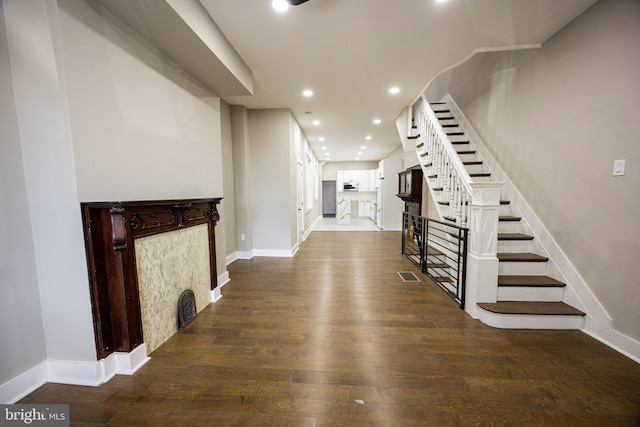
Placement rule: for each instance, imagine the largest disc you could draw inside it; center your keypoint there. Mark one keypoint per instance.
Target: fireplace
(110, 229)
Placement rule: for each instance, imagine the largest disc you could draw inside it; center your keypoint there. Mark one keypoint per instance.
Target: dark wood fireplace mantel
(109, 230)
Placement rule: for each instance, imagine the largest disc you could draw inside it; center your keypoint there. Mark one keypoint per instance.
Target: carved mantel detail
(109, 229)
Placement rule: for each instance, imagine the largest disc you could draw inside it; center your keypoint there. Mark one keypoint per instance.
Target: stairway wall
(556, 118)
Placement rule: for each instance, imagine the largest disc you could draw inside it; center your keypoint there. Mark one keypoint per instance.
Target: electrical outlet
(243, 237)
(618, 167)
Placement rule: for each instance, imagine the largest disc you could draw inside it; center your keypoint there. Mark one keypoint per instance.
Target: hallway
(333, 337)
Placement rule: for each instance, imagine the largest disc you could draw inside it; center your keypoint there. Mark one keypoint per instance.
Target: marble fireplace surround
(110, 229)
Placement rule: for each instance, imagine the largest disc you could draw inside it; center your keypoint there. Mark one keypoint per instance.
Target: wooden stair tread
(433, 251)
(459, 142)
(530, 281)
(455, 133)
(508, 218)
(472, 163)
(437, 265)
(502, 202)
(531, 308)
(481, 174)
(442, 279)
(514, 236)
(414, 136)
(466, 152)
(520, 257)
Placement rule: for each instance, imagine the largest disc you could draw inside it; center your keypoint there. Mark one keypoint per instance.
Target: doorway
(329, 198)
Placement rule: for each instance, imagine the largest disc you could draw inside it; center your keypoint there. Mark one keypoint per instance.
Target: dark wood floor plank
(333, 337)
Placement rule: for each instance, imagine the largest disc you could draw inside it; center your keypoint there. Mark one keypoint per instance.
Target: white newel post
(482, 261)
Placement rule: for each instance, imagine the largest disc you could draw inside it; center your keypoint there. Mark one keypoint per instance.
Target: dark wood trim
(110, 229)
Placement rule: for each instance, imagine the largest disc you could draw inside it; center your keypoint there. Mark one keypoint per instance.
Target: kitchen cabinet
(364, 180)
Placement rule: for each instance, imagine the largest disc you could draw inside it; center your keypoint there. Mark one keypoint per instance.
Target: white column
(482, 262)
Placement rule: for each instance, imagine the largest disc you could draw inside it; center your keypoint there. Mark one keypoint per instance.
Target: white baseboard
(618, 341)
(216, 294)
(129, 363)
(73, 372)
(311, 227)
(223, 279)
(276, 253)
(25, 383)
(240, 255)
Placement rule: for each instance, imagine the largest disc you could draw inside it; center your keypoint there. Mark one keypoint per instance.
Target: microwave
(349, 186)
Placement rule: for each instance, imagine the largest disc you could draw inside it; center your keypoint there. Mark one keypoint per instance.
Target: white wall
(90, 112)
(556, 119)
(21, 327)
(241, 180)
(330, 169)
(141, 129)
(270, 177)
(49, 170)
(227, 216)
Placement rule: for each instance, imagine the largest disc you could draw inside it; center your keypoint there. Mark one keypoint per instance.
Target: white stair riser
(509, 227)
(454, 138)
(520, 321)
(522, 268)
(505, 209)
(475, 169)
(482, 179)
(468, 157)
(515, 245)
(527, 293)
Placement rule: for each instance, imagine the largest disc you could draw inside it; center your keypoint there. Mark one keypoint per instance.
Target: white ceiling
(350, 52)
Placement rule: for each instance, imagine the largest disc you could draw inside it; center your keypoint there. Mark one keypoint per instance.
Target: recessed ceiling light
(394, 90)
(357, 158)
(307, 92)
(280, 5)
(368, 138)
(324, 148)
(316, 122)
(377, 121)
(321, 139)
(359, 153)
(363, 147)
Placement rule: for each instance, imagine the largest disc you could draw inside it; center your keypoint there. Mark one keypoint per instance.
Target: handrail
(462, 171)
(451, 175)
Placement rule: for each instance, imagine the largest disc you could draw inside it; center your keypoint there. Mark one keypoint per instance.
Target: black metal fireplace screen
(186, 309)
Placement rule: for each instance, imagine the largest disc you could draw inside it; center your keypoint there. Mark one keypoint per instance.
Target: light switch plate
(618, 167)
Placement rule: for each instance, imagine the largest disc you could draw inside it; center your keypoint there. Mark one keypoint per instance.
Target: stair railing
(474, 205)
(450, 174)
(439, 249)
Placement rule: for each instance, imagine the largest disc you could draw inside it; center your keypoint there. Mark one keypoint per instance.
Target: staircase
(530, 291)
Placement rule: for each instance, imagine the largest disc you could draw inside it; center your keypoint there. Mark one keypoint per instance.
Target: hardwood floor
(333, 337)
